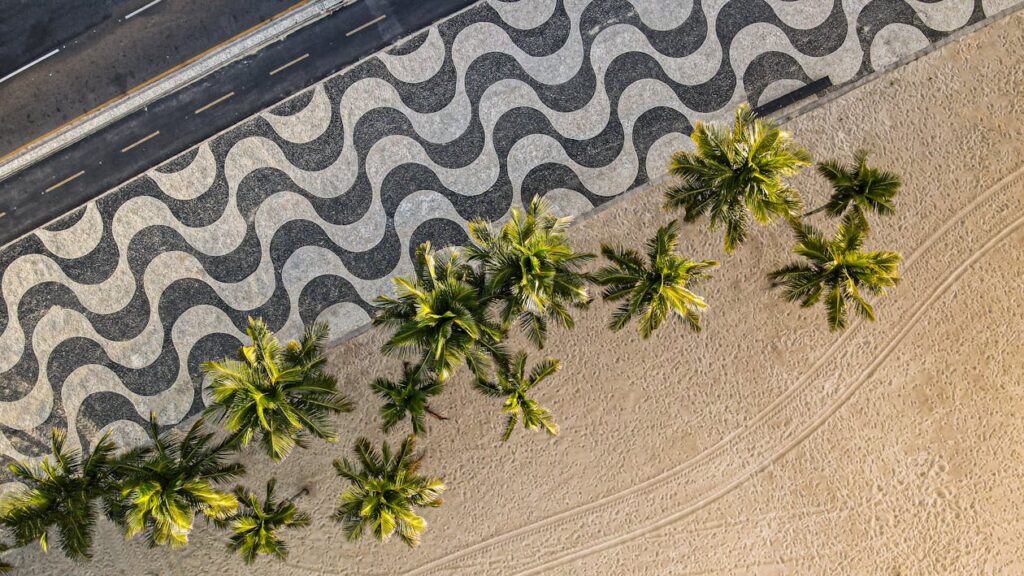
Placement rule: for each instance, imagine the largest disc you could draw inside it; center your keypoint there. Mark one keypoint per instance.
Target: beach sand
(765, 444)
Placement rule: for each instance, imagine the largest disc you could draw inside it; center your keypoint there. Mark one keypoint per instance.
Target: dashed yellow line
(215, 102)
(365, 26)
(296, 61)
(138, 142)
(62, 182)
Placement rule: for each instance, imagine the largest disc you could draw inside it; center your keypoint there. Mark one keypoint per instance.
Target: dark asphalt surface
(102, 54)
(26, 205)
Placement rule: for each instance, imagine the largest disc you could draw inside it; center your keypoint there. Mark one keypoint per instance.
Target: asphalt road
(105, 48)
(82, 171)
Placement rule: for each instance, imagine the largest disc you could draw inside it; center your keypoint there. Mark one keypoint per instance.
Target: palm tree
(531, 268)
(60, 494)
(654, 289)
(859, 188)
(838, 269)
(384, 492)
(514, 385)
(409, 396)
(279, 395)
(254, 528)
(166, 483)
(733, 171)
(441, 315)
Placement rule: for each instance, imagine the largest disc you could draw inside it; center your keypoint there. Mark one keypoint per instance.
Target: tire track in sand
(804, 432)
(764, 415)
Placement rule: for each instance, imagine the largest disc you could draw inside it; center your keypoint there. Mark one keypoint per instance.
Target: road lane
(122, 150)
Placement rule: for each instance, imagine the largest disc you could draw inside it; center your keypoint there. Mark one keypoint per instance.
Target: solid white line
(63, 182)
(215, 102)
(147, 6)
(137, 142)
(30, 64)
(296, 61)
(367, 25)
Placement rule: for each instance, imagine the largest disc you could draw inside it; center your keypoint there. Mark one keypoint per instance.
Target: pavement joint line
(146, 7)
(300, 15)
(365, 26)
(293, 62)
(63, 182)
(30, 64)
(215, 102)
(142, 141)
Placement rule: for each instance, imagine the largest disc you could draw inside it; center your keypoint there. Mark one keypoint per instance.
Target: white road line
(215, 102)
(30, 64)
(146, 7)
(63, 182)
(2, 214)
(365, 26)
(296, 61)
(129, 147)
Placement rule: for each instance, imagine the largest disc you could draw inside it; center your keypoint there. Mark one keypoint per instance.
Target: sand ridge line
(769, 411)
(805, 432)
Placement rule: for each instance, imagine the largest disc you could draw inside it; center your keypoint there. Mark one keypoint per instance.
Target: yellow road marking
(62, 182)
(365, 26)
(129, 147)
(215, 102)
(296, 61)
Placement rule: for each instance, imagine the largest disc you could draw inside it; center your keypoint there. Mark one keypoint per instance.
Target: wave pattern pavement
(306, 211)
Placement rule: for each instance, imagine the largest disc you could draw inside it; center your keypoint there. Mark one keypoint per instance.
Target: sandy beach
(765, 444)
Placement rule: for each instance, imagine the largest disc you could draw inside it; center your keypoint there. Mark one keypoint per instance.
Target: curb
(168, 82)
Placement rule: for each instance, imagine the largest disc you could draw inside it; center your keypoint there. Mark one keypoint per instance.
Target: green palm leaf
(531, 269)
(514, 384)
(733, 175)
(255, 527)
(408, 397)
(385, 490)
(441, 316)
(837, 269)
(279, 395)
(858, 188)
(165, 484)
(654, 289)
(60, 494)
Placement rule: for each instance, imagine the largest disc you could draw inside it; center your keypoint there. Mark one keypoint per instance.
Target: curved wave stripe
(305, 212)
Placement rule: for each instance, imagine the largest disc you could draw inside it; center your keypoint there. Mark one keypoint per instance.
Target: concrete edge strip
(169, 83)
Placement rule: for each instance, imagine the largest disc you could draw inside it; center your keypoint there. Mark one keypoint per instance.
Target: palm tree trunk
(815, 211)
(299, 494)
(434, 414)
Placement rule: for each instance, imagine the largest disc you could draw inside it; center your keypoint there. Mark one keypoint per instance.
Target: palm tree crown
(60, 494)
(385, 489)
(255, 527)
(733, 171)
(166, 483)
(409, 396)
(859, 188)
(279, 394)
(441, 315)
(531, 269)
(656, 288)
(838, 269)
(514, 384)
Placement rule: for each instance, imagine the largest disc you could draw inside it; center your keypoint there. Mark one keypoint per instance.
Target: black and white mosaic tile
(307, 211)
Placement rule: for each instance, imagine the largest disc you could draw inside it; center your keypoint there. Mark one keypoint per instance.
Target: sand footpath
(764, 445)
